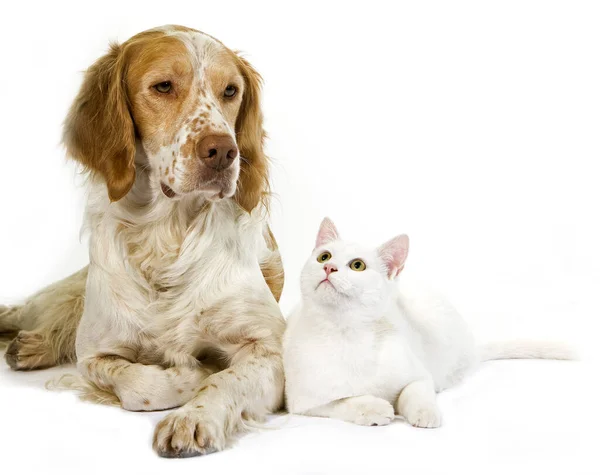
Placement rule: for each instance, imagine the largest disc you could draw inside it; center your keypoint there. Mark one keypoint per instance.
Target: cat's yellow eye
(357, 265)
(324, 257)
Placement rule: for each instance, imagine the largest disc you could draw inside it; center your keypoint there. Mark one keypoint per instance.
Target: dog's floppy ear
(253, 184)
(99, 131)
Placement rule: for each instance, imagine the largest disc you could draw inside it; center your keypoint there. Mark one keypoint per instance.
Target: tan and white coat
(179, 304)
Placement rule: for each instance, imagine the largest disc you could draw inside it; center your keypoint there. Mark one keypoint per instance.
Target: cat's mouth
(325, 281)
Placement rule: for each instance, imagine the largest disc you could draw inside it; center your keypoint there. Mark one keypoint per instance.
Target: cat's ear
(393, 253)
(327, 232)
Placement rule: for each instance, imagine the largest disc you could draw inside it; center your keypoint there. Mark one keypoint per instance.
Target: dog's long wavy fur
(100, 135)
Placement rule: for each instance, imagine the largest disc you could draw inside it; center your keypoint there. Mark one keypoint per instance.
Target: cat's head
(347, 275)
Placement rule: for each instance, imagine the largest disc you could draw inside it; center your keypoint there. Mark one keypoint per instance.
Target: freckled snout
(217, 151)
(329, 268)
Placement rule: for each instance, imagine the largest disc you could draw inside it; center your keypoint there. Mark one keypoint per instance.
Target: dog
(179, 304)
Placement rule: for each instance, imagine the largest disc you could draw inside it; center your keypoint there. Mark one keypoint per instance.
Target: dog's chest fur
(174, 266)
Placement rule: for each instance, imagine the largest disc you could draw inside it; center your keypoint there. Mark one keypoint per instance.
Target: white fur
(357, 347)
(215, 259)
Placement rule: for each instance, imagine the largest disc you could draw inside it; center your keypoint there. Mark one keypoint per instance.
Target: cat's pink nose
(329, 268)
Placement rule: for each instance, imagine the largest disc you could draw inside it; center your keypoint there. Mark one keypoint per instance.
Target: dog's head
(186, 103)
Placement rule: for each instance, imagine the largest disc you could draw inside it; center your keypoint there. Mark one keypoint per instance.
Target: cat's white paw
(426, 415)
(371, 411)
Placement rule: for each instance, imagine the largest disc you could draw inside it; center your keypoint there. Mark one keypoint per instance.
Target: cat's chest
(347, 353)
(354, 350)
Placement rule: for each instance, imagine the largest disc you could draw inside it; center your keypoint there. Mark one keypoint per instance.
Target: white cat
(360, 347)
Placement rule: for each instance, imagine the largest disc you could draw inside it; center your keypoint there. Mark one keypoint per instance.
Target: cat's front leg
(364, 410)
(417, 404)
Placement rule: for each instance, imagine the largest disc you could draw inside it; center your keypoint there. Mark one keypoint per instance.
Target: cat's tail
(527, 349)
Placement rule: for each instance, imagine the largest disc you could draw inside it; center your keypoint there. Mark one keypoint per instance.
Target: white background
(472, 126)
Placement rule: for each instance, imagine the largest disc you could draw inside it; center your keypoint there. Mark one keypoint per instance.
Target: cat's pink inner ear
(327, 232)
(393, 253)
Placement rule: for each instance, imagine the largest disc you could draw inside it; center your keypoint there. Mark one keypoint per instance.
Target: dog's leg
(248, 327)
(29, 351)
(9, 319)
(249, 389)
(142, 387)
(48, 322)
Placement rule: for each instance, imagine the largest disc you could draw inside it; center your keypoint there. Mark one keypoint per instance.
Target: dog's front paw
(371, 411)
(29, 351)
(187, 433)
(422, 414)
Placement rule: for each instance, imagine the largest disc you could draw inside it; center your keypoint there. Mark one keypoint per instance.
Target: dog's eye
(163, 87)
(357, 265)
(230, 91)
(324, 257)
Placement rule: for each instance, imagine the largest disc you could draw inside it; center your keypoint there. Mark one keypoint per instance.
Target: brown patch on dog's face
(158, 115)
